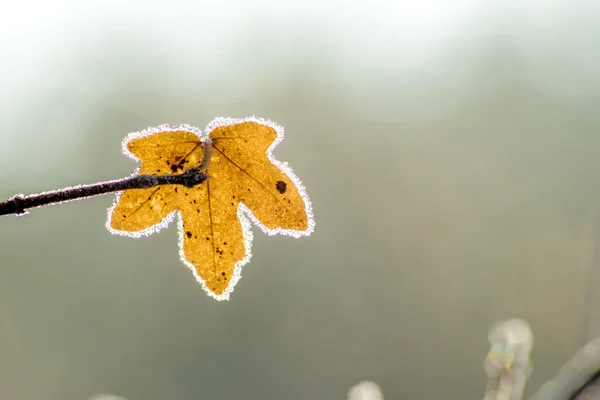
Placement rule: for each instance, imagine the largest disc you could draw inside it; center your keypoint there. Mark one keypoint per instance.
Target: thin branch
(577, 378)
(19, 204)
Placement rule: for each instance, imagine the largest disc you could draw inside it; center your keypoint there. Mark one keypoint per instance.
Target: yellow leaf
(246, 184)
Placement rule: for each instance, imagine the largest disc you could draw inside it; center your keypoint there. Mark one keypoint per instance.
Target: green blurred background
(451, 150)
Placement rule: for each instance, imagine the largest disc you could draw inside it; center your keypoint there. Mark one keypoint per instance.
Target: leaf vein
(144, 203)
(212, 230)
(247, 173)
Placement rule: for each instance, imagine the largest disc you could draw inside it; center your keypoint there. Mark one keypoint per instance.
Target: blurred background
(451, 150)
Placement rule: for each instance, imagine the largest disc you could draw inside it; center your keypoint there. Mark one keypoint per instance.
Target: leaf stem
(19, 204)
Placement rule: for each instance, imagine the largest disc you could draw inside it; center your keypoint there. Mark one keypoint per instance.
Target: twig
(19, 204)
(577, 378)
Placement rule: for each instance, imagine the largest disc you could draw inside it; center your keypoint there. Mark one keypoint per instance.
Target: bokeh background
(451, 150)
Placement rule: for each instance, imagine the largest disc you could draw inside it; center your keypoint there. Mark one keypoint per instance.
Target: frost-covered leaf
(246, 183)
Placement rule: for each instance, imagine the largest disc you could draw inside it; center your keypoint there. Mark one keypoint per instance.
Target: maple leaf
(246, 184)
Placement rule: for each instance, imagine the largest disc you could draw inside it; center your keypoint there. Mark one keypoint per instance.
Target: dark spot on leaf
(175, 190)
(223, 273)
(189, 234)
(207, 238)
(281, 186)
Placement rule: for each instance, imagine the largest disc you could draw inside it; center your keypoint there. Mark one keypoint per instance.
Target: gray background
(451, 150)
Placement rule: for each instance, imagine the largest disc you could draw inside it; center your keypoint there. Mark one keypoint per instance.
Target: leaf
(246, 184)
